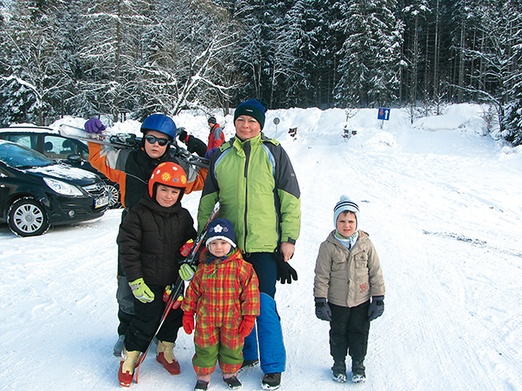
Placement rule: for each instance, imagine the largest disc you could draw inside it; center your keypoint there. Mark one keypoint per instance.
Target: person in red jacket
(224, 296)
(216, 136)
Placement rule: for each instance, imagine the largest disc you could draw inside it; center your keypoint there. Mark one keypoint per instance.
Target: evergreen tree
(253, 47)
(31, 69)
(415, 13)
(370, 55)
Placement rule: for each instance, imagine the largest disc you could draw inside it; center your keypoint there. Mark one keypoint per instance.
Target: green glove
(141, 291)
(186, 271)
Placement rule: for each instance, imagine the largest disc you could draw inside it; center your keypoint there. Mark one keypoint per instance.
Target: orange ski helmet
(168, 174)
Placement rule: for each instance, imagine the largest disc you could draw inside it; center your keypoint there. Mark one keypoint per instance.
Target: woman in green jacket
(253, 179)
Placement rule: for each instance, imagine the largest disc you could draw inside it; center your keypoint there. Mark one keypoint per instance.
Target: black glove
(376, 307)
(322, 309)
(285, 272)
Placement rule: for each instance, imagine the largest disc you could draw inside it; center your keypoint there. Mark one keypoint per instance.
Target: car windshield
(18, 156)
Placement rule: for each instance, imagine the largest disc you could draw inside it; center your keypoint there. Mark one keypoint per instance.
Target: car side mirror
(74, 158)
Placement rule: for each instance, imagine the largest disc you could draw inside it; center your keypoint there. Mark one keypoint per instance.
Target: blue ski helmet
(160, 123)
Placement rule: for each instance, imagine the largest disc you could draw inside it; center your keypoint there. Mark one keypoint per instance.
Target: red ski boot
(126, 371)
(165, 356)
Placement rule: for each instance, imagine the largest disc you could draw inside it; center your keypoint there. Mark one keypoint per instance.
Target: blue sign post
(383, 114)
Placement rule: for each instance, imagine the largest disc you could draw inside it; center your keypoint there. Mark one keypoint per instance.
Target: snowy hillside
(441, 202)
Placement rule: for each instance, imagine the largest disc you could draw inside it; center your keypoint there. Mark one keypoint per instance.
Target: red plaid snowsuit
(220, 294)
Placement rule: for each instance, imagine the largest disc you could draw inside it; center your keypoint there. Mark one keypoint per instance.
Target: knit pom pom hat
(345, 204)
(221, 229)
(253, 108)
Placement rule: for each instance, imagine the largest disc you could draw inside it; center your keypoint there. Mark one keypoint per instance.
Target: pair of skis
(177, 288)
(126, 140)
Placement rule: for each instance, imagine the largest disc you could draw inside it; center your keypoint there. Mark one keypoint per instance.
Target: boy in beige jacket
(348, 289)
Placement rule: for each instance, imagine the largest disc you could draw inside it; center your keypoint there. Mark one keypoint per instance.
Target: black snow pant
(349, 330)
(145, 322)
(125, 300)
(124, 297)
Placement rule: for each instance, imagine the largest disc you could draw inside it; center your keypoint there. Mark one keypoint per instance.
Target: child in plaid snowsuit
(224, 296)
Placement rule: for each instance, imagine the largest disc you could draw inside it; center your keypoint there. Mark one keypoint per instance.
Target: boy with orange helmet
(149, 241)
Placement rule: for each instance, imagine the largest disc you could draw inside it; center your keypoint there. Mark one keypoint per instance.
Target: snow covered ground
(442, 203)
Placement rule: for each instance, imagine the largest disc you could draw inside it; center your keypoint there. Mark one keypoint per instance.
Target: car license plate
(101, 201)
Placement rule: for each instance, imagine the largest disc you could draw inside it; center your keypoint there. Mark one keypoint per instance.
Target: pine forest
(128, 59)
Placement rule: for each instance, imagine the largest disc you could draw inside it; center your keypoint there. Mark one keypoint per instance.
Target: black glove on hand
(285, 272)
(322, 309)
(376, 307)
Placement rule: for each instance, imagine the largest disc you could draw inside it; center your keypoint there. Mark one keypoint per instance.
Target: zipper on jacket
(247, 148)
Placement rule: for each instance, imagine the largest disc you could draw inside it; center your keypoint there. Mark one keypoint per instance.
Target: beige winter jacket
(348, 277)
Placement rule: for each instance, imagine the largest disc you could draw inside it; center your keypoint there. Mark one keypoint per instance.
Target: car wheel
(114, 197)
(27, 217)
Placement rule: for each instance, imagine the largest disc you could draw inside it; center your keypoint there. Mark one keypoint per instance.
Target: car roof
(29, 128)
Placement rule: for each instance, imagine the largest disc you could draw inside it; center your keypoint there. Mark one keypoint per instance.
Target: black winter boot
(339, 371)
(358, 371)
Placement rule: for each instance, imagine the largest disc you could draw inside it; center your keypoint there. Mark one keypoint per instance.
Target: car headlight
(62, 187)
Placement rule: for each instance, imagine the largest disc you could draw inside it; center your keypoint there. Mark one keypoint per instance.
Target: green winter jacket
(257, 189)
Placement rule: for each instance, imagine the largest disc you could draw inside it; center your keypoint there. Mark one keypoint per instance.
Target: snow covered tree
(253, 46)
(192, 53)
(313, 42)
(31, 70)
(416, 11)
(111, 31)
(370, 55)
(490, 55)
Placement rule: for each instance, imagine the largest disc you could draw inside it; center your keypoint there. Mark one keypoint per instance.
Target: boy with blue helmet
(131, 169)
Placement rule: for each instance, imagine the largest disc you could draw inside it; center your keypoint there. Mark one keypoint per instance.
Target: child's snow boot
(127, 364)
(339, 371)
(202, 382)
(232, 382)
(358, 371)
(201, 385)
(165, 356)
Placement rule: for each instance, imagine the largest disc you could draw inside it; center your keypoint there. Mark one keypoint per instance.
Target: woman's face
(247, 127)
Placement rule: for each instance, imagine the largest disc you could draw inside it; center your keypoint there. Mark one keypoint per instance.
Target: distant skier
(347, 274)
(216, 137)
(149, 242)
(193, 144)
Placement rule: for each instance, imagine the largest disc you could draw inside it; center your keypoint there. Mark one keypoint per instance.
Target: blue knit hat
(221, 229)
(345, 204)
(253, 108)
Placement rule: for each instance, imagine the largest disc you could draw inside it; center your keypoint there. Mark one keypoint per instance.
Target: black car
(57, 147)
(37, 192)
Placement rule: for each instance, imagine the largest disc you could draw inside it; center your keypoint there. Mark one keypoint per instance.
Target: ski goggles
(152, 139)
